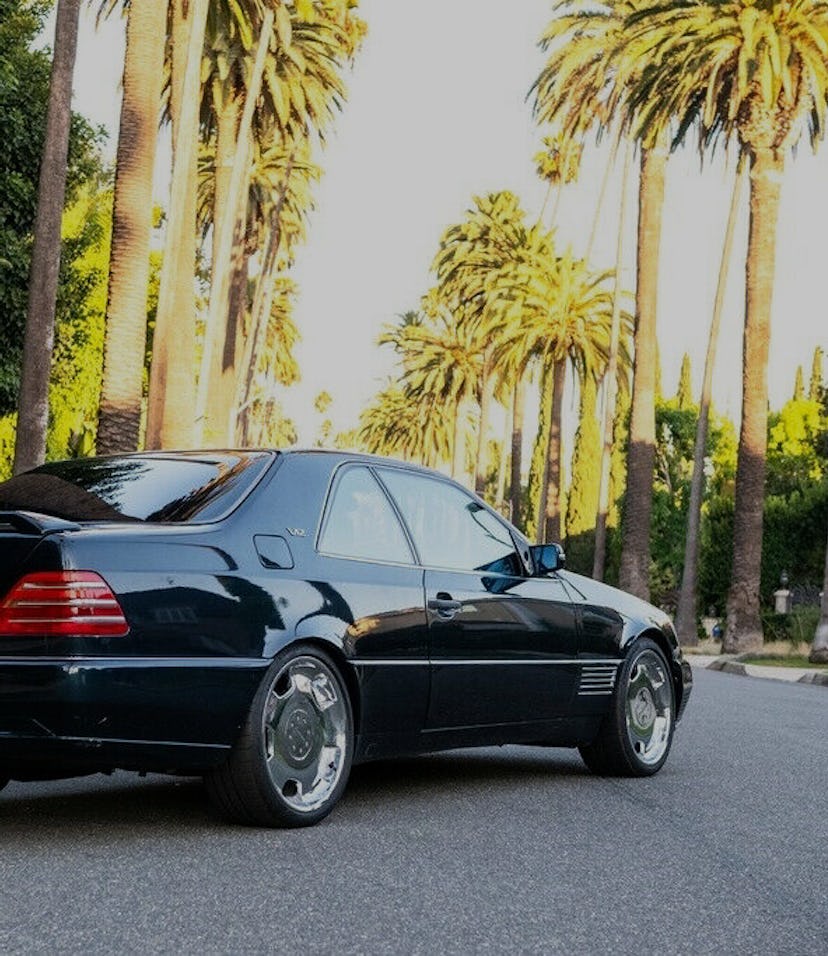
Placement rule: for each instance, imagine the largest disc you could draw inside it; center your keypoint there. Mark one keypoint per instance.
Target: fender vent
(597, 679)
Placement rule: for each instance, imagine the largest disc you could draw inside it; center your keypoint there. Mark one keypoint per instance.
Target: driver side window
(450, 528)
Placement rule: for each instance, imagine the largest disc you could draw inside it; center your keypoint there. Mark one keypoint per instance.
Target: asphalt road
(510, 849)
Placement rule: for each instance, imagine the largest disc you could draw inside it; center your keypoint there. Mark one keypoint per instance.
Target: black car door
(503, 646)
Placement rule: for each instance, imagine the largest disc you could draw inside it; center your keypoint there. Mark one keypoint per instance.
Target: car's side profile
(267, 619)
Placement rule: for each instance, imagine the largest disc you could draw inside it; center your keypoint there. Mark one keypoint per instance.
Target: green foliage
(24, 92)
(815, 385)
(8, 430)
(797, 627)
(795, 446)
(684, 395)
(799, 385)
(74, 390)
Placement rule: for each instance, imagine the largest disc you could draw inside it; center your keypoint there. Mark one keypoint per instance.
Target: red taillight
(62, 603)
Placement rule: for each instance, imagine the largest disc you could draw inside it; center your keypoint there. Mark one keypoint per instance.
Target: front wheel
(292, 760)
(635, 736)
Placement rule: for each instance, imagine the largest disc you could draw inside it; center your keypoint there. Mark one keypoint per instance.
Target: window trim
(330, 496)
(440, 479)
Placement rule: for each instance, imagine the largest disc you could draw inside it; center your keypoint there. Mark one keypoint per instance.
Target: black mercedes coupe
(266, 619)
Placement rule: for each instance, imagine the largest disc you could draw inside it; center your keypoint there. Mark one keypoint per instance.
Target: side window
(451, 529)
(361, 523)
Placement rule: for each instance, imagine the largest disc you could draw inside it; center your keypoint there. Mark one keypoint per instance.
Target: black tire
(637, 732)
(291, 762)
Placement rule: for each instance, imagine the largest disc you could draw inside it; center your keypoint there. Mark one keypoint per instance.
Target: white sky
(436, 114)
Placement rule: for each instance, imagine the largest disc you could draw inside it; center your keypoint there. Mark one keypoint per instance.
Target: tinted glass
(361, 522)
(451, 529)
(136, 487)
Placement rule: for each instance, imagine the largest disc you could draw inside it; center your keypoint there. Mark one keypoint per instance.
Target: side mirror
(547, 558)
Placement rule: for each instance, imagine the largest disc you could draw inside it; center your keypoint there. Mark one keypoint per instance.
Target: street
(498, 850)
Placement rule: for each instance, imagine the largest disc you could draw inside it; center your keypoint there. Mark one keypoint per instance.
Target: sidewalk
(730, 664)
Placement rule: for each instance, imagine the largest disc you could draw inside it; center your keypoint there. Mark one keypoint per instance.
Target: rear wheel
(636, 735)
(292, 760)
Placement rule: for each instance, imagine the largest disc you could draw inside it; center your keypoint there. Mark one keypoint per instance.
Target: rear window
(136, 487)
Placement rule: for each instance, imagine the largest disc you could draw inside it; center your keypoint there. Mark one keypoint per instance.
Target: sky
(437, 113)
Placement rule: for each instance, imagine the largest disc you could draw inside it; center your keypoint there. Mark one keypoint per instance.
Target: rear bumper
(131, 713)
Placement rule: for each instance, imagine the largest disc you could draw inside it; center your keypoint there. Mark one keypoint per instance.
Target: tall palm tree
(579, 86)
(119, 417)
(170, 388)
(687, 610)
(33, 401)
(756, 71)
(405, 423)
(557, 164)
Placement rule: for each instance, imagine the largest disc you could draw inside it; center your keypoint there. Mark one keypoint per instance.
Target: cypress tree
(799, 385)
(816, 376)
(582, 504)
(684, 396)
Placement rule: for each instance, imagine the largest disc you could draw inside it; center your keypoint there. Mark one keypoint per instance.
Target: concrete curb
(730, 664)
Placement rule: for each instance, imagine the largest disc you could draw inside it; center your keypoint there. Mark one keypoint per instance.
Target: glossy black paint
(432, 657)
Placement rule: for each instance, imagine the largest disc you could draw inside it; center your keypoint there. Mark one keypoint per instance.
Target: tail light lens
(62, 603)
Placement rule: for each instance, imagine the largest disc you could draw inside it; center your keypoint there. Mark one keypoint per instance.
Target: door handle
(445, 606)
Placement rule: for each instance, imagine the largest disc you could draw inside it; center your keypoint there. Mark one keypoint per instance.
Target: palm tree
(442, 358)
(471, 257)
(717, 65)
(562, 313)
(405, 423)
(687, 610)
(171, 387)
(578, 88)
(169, 410)
(33, 401)
(558, 164)
(119, 417)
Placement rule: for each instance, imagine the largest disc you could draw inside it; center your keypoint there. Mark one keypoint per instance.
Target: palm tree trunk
(687, 610)
(518, 411)
(602, 192)
(119, 418)
(500, 491)
(819, 649)
(259, 316)
(486, 395)
(33, 400)
(611, 382)
(634, 575)
(744, 628)
(167, 373)
(217, 319)
(169, 414)
(458, 445)
(552, 513)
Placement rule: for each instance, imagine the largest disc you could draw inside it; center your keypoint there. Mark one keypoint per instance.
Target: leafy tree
(24, 94)
(799, 385)
(815, 385)
(684, 395)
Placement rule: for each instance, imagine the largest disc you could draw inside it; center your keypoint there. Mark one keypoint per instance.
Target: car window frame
(523, 561)
(327, 508)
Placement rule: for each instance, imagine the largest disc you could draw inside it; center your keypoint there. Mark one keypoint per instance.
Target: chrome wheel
(305, 728)
(649, 708)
